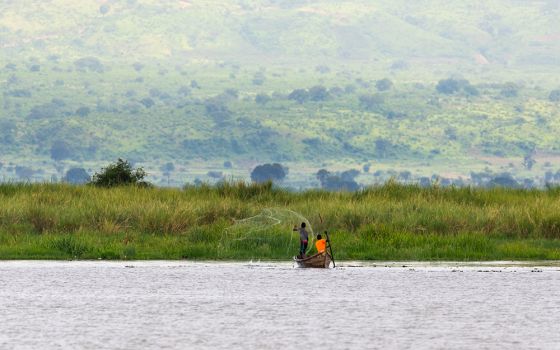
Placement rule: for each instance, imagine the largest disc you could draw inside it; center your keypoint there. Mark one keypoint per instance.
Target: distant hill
(250, 81)
(504, 31)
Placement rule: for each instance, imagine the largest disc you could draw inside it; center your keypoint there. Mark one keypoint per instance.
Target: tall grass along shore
(390, 222)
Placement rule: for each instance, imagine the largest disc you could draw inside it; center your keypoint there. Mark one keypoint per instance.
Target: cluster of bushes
(452, 86)
(343, 181)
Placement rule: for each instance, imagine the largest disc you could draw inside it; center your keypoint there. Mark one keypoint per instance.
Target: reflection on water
(178, 305)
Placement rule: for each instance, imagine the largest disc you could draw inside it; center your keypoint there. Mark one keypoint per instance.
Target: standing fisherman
(303, 240)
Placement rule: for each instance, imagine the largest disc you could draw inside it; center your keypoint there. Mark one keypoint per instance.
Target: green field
(392, 222)
(157, 82)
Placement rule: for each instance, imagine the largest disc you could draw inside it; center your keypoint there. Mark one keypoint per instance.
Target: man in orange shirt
(321, 244)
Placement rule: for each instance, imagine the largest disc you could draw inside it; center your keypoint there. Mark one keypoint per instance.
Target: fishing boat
(320, 260)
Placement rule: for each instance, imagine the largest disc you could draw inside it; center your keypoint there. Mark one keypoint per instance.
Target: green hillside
(199, 83)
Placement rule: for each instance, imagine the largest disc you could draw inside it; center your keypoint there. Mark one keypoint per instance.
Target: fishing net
(267, 234)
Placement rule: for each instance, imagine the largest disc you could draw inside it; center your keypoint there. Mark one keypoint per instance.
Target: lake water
(183, 305)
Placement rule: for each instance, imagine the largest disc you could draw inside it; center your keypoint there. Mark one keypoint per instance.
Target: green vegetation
(120, 173)
(424, 87)
(392, 222)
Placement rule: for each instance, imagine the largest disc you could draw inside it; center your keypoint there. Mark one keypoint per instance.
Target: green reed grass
(391, 222)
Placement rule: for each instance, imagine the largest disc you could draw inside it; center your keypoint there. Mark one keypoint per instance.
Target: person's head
(319, 237)
(303, 225)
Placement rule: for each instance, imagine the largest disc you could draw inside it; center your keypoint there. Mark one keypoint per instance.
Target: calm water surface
(178, 305)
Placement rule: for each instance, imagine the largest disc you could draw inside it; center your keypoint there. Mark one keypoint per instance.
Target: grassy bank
(392, 222)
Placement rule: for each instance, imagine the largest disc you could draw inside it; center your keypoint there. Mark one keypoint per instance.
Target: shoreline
(537, 264)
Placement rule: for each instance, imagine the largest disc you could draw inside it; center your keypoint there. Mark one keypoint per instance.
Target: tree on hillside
(318, 93)
(77, 176)
(503, 180)
(215, 174)
(155, 92)
(382, 147)
(338, 182)
(451, 133)
(259, 78)
(349, 89)
(405, 175)
(137, 66)
(83, 111)
(7, 132)
(336, 91)
(322, 175)
(510, 90)
(268, 172)
(299, 95)
(167, 169)
(89, 64)
(322, 69)
(184, 91)
(471, 90)
(60, 150)
(104, 9)
(448, 86)
(21, 93)
(147, 102)
(217, 110)
(384, 84)
(349, 175)
(262, 99)
(372, 103)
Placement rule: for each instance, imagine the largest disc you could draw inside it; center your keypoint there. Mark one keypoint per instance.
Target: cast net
(268, 234)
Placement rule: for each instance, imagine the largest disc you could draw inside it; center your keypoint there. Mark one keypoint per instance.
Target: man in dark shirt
(303, 239)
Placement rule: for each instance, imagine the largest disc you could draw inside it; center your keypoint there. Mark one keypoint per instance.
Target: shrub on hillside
(120, 173)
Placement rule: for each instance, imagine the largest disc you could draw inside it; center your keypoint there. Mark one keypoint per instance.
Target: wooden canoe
(320, 260)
